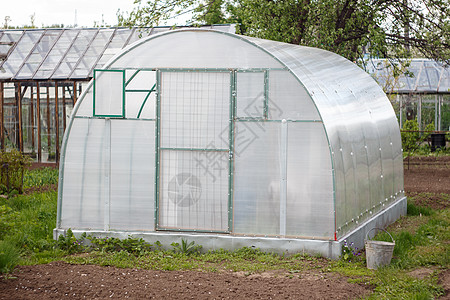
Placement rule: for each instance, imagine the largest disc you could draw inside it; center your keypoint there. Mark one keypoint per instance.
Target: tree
(352, 28)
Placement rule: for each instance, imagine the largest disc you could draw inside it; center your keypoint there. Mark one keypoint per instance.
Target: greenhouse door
(194, 150)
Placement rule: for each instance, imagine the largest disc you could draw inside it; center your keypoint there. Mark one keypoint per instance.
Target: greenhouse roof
(67, 53)
(427, 76)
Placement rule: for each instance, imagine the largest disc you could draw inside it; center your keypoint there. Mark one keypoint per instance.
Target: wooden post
(64, 106)
(38, 120)
(19, 109)
(2, 129)
(74, 93)
(49, 138)
(56, 123)
(32, 116)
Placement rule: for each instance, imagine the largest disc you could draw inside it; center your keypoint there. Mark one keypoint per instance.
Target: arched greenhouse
(231, 141)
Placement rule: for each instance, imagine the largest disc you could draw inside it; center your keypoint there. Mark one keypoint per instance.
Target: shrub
(12, 166)
(410, 135)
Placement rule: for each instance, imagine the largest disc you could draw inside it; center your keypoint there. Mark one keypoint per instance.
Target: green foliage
(70, 243)
(412, 140)
(110, 244)
(186, 248)
(40, 177)
(410, 135)
(349, 28)
(9, 256)
(12, 166)
(27, 221)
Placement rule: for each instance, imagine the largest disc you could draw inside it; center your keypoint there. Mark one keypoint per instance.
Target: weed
(413, 210)
(186, 248)
(70, 243)
(110, 244)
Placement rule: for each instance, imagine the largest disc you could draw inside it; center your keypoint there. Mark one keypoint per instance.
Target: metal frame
(231, 153)
(230, 150)
(157, 146)
(123, 94)
(255, 44)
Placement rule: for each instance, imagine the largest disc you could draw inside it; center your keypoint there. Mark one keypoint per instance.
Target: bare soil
(427, 175)
(61, 280)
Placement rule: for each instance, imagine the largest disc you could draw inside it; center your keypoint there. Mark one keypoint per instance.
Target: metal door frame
(232, 111)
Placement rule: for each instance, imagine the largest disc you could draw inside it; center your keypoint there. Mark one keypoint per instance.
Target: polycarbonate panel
(132, 175)
(350, 103)
(85, 167)
(148, 110)
(109, 93)
(388, 166)
(375, 170)
(140, 79)
(137, 108)
(250, 87)
(288, 99)
(201, 49)
(256, 207)
(310, 203)
(398, 164)
(86, 102)
(194, 190)
(195, 110)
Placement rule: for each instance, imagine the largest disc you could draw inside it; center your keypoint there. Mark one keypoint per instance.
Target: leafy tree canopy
(390, 29)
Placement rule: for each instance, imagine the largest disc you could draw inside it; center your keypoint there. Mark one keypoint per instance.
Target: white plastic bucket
(378, 253)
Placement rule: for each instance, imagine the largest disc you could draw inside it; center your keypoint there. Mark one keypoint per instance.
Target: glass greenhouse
(423, 95)
(231, 141)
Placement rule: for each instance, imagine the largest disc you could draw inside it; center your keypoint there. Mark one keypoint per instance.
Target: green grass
(9, 256)
(27, 221)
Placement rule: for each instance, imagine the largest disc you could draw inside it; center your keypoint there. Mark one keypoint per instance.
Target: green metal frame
(123, 94)
(266, 94)
(132, 76)
(145, 100)
(231, 153)
(230, 150)
(157, 147)
(195, 149)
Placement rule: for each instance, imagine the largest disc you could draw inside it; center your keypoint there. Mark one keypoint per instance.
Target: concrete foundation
(330, 249)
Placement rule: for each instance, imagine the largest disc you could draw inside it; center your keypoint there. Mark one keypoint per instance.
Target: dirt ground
(61, 280)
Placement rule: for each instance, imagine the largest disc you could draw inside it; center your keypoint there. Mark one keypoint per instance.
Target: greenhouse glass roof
(428, 76)
(67, 53)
